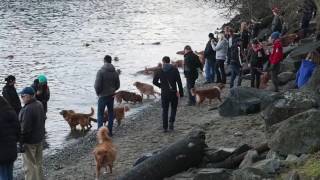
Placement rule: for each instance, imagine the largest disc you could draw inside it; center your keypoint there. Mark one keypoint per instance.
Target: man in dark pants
(210, 57)
(106, 84)
(169, 78)
(275, 58)
(191, 63)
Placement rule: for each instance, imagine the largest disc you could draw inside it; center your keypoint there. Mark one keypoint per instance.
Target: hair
(10, 78)
(107, 59)
(211, 35)
(187, 47)
(166, 59)
(221, 37)
(244, 26)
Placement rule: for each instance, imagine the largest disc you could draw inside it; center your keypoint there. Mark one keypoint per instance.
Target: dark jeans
(102, 103)
(235, 71)
(210, 70)
(190, 84)
(255, 77)
(221, 74)
(6, 171)
(274, 76)
(169, 99)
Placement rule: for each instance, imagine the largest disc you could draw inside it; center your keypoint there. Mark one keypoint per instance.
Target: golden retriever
(118, 113)
(208, 93)
(127, 96)
(74, 119)
(146, 89)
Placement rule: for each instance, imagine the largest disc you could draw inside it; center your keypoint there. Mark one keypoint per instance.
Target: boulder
(187, 175)
(213, 174)
(245, 100)
(299, 134)
(304, 48)
(290, 104)
(314, 82)
(290, 65)
(214, 156)
(269, 166)
(250, 174)
(289, 86)
(293, 175)
(285, 77)
(249, 159)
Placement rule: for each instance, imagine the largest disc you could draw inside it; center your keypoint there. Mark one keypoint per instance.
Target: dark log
(234, 161)
(180, 156)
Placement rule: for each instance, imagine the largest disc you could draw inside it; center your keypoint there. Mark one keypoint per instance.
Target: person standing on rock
(277, 20)
(275, 58)
(10, 93)
(32, 120)
(106, 84)
(9, 136)
(256, 57)
(221, 55)
(210, 57)
(169, 78)
(191, 65)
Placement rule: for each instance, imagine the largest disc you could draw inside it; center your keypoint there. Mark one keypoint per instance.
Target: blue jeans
(235, 71)
(209, 70)
(6, 171)
(102, 103)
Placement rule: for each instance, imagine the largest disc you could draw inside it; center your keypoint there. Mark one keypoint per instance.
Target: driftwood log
(180, 156)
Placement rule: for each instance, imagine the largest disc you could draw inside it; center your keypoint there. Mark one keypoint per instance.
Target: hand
(20, 148)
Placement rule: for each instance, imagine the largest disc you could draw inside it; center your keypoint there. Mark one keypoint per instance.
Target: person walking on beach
(277, 20)
(191, 65)
(256, 57)
(221, 55)
(169, 78)
(10, 93)
(235, 61)
(32, 120)
(275, 58)
(210, 57)
(106, 84)
(9, 136)
(42, 92)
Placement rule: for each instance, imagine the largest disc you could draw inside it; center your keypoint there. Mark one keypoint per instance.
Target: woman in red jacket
(275, 58)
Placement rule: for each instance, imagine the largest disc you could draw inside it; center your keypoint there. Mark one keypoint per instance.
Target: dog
(118, 114)
(152, 70)
(265, 77)
(201, 57)
(146, 89)
(105, 152)
(290, 39)
(178, 63)
(208, 93)
(128, 96)
(74, 119)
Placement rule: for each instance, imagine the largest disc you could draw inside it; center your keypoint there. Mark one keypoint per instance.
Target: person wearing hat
(32, 118)
(9, 136)
(41, 88)
(257, 57)
(275, 58)
(10, 93)
(277, 20)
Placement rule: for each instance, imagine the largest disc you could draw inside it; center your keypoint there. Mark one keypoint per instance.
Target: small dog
(105, 152)
(118, 114)
(127, 96)
(146, 89)
(208, 93)
(265, 77)
(74, 119)
(152, 70)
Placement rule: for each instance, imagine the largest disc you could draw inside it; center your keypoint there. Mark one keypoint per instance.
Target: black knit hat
(10, 78)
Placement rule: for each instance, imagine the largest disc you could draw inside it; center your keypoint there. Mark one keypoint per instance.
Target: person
(191, 65)
(277, 20)
(309, 10)
(32, 120)
(235, 61)
(256, 57)
(9, 136)
(169, 78)
(221, 55)
(10, 93)
(106, 84)
(244, 36)
(275, 58)
(210, 57)
(41, 88)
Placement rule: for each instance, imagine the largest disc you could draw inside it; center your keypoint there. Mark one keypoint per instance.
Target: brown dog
(208, 93)
(152, 70)
(74, 119)
(178, 63)
(146, 89)
(118, 114)
(127, 96)
(105, 152)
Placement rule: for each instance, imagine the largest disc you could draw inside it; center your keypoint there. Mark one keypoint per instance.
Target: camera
(20, 148)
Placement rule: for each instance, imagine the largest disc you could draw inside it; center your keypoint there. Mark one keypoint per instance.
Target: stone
(269, 166)
(272, 155)
(285, 77)
(297, 135)
(291, 158)
(313, 84)
(215, 156)
(213, 174)
(293, 175)
(187, 175)
(250, 174)
(289, 86)
(291, 103)
(305, 48)
(290, 65)
(249, 159)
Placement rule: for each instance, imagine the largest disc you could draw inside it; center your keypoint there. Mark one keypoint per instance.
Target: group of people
(23, 128)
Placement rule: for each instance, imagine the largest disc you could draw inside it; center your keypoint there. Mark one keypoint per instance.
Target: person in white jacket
(221, 49)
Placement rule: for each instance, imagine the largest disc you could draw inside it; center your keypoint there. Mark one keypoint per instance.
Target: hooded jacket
(9, 92)
(277, 52)
(209, 53)
(191, 63)
(169, 79)
(107, 81)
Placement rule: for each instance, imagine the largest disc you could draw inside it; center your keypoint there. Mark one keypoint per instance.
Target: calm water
(49, 36)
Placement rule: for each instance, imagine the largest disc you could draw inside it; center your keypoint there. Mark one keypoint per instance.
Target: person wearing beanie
(9, 92)
(277, 21)
(210, 57)
(275, 58)
(42, 91)
(32, 121)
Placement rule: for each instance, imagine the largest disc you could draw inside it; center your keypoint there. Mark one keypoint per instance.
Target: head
(187, 49)
(136, 83)
(107, 59)
(10, 80)
(244, 26)
(42, 79)
(221, 36)
(231, 32)
(27, 94)
(211, 36)
(166, 60)
(275, 11)
(66, 113)
(254, 43)
(226, 30)
(126, 108)
(274, 36)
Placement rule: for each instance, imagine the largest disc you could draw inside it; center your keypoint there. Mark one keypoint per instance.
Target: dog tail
(91, 113)
(103, 135)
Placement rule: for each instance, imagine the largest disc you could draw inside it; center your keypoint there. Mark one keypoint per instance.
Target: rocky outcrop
(250, 174)
(285, 77)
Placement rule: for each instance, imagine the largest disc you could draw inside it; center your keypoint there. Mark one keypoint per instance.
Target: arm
(179, 83)
(26, 124)
(156, 79)
(6, 95)
(218, 46)
(98, 83)
(117, 82)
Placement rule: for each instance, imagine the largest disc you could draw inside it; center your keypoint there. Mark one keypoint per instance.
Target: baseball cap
(27, 91)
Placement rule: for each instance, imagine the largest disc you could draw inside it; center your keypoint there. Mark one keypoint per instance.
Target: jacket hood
(167, 67)
(108, 67)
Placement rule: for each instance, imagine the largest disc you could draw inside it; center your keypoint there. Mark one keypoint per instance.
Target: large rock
(285, 77)
(213, 174)
(245, 100)
(290, 104)
(290, 65)
(314, 82)
(250, 174)
(214, 156)
(250, 158)
(269, 166)
(299, 134)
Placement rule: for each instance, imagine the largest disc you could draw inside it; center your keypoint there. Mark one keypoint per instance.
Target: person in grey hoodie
(106, 84)
(221, 55)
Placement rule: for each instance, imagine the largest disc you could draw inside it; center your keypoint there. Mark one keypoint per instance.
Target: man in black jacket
(9, 136)
(10, 93)
(169, 78)
(32, 120)
(210, 57)
(191, 65)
